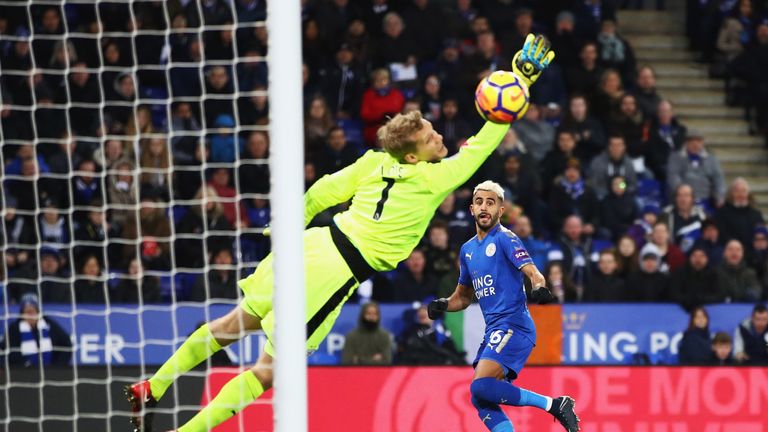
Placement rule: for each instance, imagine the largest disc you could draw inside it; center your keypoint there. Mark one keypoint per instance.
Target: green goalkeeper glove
(535, 56)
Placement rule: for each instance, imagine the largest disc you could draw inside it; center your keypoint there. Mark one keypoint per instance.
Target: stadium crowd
(135, 146)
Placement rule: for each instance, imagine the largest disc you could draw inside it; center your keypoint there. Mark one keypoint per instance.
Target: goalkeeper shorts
(328, 261)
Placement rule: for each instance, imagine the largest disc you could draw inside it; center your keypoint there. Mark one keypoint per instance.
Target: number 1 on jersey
(384, 195)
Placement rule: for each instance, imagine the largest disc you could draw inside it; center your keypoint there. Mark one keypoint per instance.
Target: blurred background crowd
(135, 145)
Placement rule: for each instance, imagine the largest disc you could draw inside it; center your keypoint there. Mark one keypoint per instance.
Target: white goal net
(134, 195)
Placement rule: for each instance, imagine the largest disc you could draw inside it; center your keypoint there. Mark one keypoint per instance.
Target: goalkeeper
(394, 196)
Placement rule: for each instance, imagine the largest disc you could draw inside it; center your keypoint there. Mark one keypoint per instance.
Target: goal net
(135, 189)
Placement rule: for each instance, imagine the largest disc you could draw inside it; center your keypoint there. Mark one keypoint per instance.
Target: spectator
(136, 287)
(628, 121)
(645, 93)
(89, 288)
(485, 60)
(560, 283)
(722, 350)
(426, 342)
(738, 217)
(450, 71)
(234, 210)
(140, 125)
(736, 32)
(537, 134)
(461, 225)
(95, 232)
(53, 227)
(611, 163)
(585, 77)
(695, 166)
(672, 257)
(451, 125)
(564, 41)
(112, 151)
(82, 89)
(413, 283)
(379, 101)
(53, 289)
(750, 342)
(186, 136)
(648, 283)
(336, 154)
(368, 344)
(226, 144)
(695, 283)
(607, 99)
(122, 192)
(710, 241)
(424, 22)
(394, 45)
(219, 85)
(574, 251)
(735, 278)
(615, 52)
(85, 186)
(359, 41)
(150, 234)
(342, 82)
(572, 196)
(253, 172)
(522, 182)
(189, 230)
(555, 161)
(221, 281)
(684, 218)
(155, 163)
(535, 247)
(590, 138)
(35, 340)
(758, 257)
(317, 124)
(665, 136)
(627, 256)
(695, 348)
(618, 210)
(605, 285)
(430, 98)
(440, 257)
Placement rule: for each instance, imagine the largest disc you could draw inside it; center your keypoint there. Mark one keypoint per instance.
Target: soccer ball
(502, 97)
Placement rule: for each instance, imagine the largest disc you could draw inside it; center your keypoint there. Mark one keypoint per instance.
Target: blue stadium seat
(353, 130)
(178, 213)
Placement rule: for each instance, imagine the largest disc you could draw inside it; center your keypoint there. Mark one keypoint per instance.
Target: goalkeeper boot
(563, 411)
(140, 397)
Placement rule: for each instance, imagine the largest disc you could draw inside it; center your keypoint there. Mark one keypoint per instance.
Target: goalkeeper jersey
(393, 202)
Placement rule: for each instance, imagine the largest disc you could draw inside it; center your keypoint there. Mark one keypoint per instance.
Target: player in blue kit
(493, 264)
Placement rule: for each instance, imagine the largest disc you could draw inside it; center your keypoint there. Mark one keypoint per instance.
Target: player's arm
(459, 300)
(539, 291)
(454, 171)
(451, 173)
(334, 188)
(461, 297)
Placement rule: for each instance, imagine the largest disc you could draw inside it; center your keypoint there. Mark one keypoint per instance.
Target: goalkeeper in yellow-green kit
(394, 196)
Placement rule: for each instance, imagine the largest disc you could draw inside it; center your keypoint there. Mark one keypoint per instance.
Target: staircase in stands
(658, 38)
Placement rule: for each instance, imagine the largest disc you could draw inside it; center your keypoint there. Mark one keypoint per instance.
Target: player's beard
(488, 224)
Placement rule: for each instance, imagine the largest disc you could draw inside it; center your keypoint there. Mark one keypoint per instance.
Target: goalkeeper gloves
(436, 308)
(542, 295)
(535, 56)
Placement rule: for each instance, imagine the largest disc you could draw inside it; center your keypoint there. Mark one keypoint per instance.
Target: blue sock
(492, 416)
(501, 392)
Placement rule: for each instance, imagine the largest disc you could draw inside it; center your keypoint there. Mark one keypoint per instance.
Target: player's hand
(542, 295)
(436, 308)
(535, 56)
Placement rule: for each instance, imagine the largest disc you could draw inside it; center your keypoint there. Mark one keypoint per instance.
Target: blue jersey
(492, 268)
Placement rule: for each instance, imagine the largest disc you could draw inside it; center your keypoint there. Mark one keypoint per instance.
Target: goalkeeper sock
(199, 346)
(237, 394)
(494, 391)
(492, 416)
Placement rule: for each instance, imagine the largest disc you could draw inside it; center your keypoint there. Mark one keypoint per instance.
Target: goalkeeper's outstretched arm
(451, 173)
